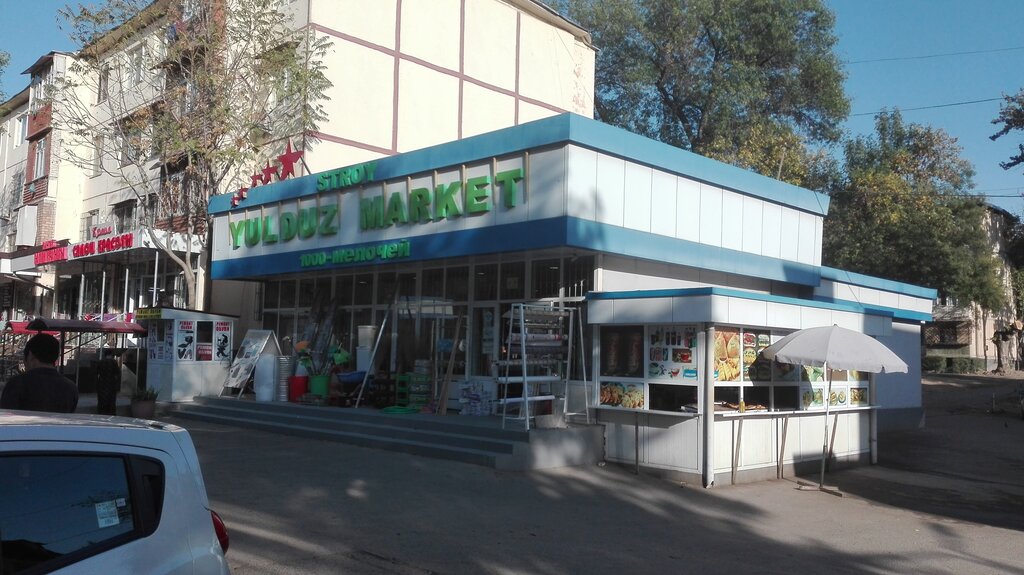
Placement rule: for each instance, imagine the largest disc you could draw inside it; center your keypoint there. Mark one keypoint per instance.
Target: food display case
(649, 367)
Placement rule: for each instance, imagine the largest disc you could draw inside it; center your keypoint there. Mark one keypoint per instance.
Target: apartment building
(405, 75)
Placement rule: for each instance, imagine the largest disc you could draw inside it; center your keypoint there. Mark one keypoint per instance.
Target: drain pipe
(708, 406)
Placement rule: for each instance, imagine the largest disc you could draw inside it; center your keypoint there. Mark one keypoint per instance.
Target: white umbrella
(834, 347)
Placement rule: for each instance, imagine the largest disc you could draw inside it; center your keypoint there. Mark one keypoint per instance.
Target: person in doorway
(108, 383)
(41, 387)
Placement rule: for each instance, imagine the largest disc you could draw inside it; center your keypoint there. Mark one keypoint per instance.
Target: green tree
(749, 82)
(176, 101)
(5, 59)
(904, 213)
(1011, 116)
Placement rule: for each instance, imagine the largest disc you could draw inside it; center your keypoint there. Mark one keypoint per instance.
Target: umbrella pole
(824, 443)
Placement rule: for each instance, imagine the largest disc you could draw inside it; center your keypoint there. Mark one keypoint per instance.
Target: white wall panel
(637, 198)
(790, 236)
(691, 309)
(819, 224)
(783, 316)
(490, 53)
(710, 215)
(435, 37)
(807, 240)
(610, 189)
(732, 220)
(888, 299)
(688, 210)
(747, 311)
(581, 183)
(600, 311)
(753, 220)
(663, 204)
(815, 317)
(653, 310)
(771, 230)
(547, 184)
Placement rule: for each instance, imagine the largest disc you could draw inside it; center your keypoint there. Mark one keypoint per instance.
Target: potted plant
(320, 365)
(144, 403)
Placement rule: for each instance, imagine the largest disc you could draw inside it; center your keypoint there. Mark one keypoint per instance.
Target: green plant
(145, 394)
(933, 363)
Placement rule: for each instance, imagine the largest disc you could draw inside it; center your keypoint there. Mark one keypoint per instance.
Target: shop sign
(303, 224)
(48, 256)
(346, 177)
(101, 231)
(148, 313)
(422, 205)
(103, 246)
(382, 252)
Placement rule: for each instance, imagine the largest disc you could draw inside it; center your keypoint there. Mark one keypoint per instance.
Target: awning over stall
(83, 326)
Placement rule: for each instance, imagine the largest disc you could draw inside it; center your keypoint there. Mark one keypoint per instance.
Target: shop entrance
(483, 339)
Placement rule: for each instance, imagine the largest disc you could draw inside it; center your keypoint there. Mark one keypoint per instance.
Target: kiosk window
(672, 397)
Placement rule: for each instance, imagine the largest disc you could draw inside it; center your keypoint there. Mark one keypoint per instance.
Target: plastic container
(297, 387)
(318, 384)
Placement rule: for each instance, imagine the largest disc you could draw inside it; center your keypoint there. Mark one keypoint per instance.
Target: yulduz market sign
(417, 206)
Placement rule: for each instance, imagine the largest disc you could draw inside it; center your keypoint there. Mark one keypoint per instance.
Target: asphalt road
(948, 498)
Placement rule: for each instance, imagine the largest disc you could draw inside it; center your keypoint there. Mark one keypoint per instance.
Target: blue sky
(917, 31)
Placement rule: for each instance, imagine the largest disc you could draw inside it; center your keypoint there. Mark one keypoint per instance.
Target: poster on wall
(727, 354)
(627, 395)
(672, 352)
(222, 341)
(204, 351)
(155, 345)
(622, 350)
(185, 340)
(168, 352)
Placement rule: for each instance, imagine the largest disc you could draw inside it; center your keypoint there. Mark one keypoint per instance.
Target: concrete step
(391, 428)
(475, 440)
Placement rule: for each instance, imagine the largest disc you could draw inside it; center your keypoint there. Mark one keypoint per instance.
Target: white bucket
(367, 335)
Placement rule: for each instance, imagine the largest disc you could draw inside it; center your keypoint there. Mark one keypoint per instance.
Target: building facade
(649, 244)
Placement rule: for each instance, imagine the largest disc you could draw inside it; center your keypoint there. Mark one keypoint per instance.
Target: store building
(681, 267)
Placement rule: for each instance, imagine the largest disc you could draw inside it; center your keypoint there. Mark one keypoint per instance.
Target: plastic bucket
(318, 384)
(297, 386)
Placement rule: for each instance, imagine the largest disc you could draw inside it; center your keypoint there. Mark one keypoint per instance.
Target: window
(131, 143)
(103, 84)
(22, 130)
(136, 64)
(89, 219)
(40, 159)
(97, 156)
(58, 509)
(124, 216)
(189, 9)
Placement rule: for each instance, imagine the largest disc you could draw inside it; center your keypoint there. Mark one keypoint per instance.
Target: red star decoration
(255, 180)
(240, 195)
(268, 172)
(287, 161)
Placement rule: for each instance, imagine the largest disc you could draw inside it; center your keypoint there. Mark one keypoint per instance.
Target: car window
(56, 509)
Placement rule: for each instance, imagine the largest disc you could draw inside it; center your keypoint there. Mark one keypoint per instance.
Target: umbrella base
(807, 486)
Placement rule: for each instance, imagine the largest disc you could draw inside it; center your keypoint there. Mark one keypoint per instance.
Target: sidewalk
(87, 404)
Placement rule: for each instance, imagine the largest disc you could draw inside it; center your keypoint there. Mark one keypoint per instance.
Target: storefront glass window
(364, 289)
(513, 281)
(270, 321)
(433, 283)
(457, 283)
(271, 294)
(407, 285)
(579, 276)
(343, 290)
(546, 278)
(288, 294)
(307, 291)
(386, 283)
(485, 282)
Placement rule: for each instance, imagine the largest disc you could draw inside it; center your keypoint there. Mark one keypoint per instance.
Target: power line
(928, 56)
(931, 107)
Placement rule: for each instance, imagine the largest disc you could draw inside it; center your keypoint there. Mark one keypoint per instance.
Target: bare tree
(175, 100)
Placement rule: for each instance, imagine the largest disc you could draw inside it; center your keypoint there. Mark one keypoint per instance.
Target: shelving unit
(538, 347)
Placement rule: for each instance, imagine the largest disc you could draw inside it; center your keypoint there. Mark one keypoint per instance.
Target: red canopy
(21, 328)
(78, 326)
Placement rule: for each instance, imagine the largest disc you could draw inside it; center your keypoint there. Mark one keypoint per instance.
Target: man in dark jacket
(41, 387)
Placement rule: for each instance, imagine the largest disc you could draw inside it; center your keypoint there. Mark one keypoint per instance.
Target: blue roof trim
(618, 240)
(546, 132)
(877, 283)
(726, 292)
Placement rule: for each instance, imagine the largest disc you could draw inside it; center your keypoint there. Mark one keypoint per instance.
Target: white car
(98, 494)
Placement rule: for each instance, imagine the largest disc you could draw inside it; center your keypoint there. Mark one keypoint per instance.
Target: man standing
(41, 387)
